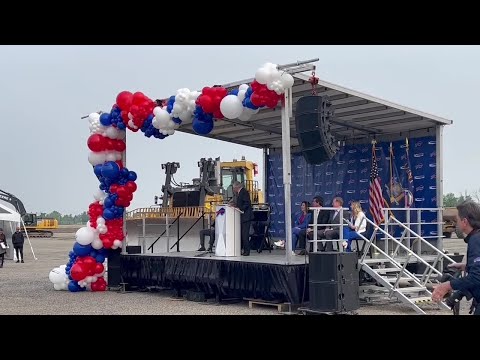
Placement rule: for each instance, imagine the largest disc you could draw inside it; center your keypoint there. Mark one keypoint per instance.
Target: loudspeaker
(333, 281)
(133, 249)
(312, 118)
(114, 273)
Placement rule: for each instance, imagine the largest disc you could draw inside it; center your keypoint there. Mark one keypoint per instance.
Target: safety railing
(340, 225)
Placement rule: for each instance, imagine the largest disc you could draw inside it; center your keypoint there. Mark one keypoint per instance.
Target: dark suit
(244, 204)
(334, 232)
(322, 218)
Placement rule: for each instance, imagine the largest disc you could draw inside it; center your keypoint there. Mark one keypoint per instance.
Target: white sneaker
(345, 244)
(280, 243)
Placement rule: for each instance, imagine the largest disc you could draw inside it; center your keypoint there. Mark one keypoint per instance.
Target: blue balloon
(70, 277)
(71, 254)
(81, 250)
(249, 92)
(108, 214)
(100, 258)
(121, 126)
(105, 119)
(73, 286)
(132, 176)
(102, 187)
(103, 252)
(234, 92)
(124, 173)
(177, 120)
(93, 253)
(110, 170)
(108, 202)
(202, 128)
(97, 169)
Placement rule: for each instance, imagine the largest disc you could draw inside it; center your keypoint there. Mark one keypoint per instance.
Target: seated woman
(358, 226)
(301, 222)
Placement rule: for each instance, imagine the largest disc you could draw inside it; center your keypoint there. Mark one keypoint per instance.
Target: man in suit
(333, 233)
(322, 218)
(242, 202)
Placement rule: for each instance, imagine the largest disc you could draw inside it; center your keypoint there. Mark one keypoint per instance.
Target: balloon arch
(159, 119)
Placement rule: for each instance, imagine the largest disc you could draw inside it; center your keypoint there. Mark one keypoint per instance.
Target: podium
(228, 231)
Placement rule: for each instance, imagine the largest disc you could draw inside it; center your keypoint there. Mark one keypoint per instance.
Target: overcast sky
(44, 90)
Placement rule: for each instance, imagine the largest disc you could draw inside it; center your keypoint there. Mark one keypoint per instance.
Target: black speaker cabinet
(333, 281)
(114, 274)
(134, 249)
(312, 118)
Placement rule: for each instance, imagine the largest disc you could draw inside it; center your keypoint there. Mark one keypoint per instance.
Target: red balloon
(217, 100)
(78, 272)
(217, 114)
(107, 243)
(221, 92)
(99, 268)
(207, 104)
(272, 103)
(89, 261)
(119, 145)
(113, 188)
(124, 100)
(125, 117)
(120, 164)
(208, 91)
(131, 186)
(99, 285)
(255, 85)
(256, 99)
(96, 142)
(109, 144)
(122, 192)
(138, 98)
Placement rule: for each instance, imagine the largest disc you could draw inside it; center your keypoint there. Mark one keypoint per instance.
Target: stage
(261, 275)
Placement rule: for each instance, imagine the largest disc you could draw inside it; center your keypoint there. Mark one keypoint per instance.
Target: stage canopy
(366, 117)
(7, 214)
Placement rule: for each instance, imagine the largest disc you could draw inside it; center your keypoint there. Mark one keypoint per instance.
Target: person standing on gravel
(3, 247)
(18, 240)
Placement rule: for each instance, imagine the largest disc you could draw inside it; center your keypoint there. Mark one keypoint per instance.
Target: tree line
(67, 219)
(451, 200)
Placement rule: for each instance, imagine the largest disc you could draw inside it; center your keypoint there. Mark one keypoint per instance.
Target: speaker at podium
(228, 231)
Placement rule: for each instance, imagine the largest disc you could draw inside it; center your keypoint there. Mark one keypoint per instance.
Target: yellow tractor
(186, 208)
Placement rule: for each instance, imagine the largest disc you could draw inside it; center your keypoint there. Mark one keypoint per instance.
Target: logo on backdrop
(220, 212)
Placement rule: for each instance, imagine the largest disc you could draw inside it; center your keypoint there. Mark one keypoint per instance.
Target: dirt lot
(25, 289)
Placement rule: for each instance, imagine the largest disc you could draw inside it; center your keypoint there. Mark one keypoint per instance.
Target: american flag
(375, 192)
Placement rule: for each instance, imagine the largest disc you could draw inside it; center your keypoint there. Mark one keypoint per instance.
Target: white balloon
(94, 278)
(57, 275)
(94, 117)
(117, 243)
(262, 75)
(101, 220)
(63, 267)
(96, 158)
(130, 116)
(241, 94)
(102, 229)
(287, 80)
(99, 195)
(97, 244)
(243, 87)
(270, 86)
(58, 287)
(118, 155)
(112, 133)
(89, 279)
(110, 156)
(231, 107)
(185, 116)
(246, 115)
(85, 235)
(121, 134)
(275, 75)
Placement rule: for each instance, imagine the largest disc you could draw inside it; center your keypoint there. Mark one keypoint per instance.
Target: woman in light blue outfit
(302, 219)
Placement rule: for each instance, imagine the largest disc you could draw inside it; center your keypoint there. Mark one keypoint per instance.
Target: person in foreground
(468, 220)
(3, 247)
(243, 204)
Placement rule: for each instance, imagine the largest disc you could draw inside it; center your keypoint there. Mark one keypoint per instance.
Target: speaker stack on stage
(312, 118)
(333, 282)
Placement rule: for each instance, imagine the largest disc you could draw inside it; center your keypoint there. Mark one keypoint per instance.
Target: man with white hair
(243, 203)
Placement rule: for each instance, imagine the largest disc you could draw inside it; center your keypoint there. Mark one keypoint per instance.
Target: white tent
(9, 220)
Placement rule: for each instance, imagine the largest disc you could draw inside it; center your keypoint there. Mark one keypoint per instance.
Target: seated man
(334, 232)
(207, 232)
(322, 218)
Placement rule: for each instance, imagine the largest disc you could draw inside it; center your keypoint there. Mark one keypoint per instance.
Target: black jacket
(244, 204)
(471, 282)
(322, 218)
(17, 239)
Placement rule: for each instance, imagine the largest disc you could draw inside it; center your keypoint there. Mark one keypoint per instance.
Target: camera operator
(468, 220)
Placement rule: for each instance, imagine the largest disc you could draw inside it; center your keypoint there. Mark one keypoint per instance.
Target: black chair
(261, 239)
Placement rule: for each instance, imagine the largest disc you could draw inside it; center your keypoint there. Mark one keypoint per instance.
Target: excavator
(35, 225)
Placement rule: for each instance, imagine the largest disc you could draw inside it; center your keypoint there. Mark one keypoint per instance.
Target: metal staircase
(390, 272)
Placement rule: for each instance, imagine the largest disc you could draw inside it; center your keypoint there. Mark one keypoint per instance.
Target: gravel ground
(26, 289)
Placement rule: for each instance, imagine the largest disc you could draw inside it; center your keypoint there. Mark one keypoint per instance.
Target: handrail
(164, 231)
(418, 237)
(186, 232)
(419, 258)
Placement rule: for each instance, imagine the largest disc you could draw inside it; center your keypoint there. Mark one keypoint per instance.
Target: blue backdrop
(348, 176)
